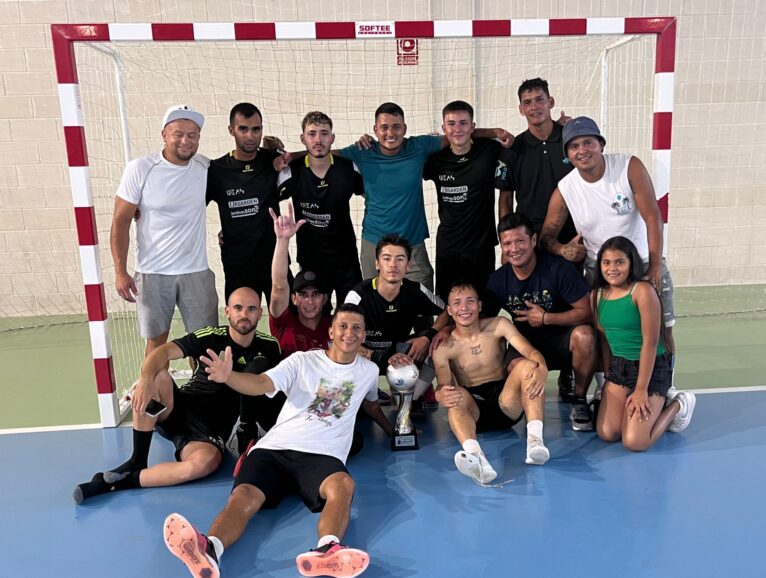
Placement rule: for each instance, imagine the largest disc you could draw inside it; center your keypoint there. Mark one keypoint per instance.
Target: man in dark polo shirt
(531, 169)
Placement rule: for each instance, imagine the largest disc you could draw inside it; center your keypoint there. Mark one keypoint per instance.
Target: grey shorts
(420, 265)
(158, 295)
(666, 289)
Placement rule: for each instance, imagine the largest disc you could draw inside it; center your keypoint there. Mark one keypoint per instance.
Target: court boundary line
(87, 426)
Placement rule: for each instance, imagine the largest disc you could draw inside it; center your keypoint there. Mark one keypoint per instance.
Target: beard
(243, 326)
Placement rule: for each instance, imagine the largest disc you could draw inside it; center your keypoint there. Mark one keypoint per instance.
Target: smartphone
(155, 408)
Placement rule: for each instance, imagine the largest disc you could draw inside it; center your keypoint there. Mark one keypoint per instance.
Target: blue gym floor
(692, 506)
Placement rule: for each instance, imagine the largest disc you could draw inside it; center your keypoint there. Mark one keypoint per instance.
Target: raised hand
(218, 368)
(285, 225)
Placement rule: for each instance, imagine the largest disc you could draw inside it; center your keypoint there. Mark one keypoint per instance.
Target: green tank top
(621, 323)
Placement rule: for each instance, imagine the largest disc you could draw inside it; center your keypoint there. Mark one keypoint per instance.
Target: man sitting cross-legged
(201, 414)
(304, 453)
(476, 389)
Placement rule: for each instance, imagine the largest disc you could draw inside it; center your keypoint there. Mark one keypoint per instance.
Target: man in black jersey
(244, 185)
(464, 175)
(201, 414)
(391, 305)
(321, 185)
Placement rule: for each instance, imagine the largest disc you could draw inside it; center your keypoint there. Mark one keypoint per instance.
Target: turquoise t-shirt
(393, 188)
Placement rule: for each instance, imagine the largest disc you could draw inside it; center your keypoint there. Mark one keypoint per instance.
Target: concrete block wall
(717, 206)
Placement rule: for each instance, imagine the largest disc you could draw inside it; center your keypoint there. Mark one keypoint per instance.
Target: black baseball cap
(306, 279)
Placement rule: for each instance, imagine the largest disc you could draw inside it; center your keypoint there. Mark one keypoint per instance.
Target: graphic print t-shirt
(323, 398)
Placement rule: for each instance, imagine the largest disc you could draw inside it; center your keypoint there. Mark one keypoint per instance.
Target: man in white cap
(168, 190)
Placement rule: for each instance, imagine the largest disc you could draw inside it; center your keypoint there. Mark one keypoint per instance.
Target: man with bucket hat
(608, 194)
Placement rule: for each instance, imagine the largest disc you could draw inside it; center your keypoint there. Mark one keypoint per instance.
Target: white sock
(535, 428)
(327, 539)
(471, 446)
(217, 546)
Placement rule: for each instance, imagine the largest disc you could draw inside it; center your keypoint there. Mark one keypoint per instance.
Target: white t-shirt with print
(323, 398)
(170, 233)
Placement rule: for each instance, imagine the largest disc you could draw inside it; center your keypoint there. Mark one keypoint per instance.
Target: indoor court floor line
(692, 506)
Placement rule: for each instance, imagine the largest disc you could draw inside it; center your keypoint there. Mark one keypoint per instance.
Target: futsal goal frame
(64, 37)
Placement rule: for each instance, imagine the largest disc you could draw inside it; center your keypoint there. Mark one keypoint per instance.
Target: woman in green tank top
(628, 315)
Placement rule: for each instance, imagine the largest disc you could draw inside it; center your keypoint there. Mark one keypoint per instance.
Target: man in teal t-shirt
(392, 170)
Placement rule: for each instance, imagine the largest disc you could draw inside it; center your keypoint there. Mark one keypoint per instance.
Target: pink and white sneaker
(191, 546)
(333, 559)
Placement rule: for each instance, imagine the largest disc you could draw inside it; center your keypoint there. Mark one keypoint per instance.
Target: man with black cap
(304, 326)
(168, 189)
(607, 195)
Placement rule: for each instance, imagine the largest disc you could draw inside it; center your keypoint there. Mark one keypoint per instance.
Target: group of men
(297, 391)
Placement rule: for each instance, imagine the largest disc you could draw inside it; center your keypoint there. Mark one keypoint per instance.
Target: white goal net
(126, 87)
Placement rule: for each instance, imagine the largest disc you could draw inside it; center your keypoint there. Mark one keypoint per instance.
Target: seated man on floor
(304, 453)
(392, 306)
(199, 416)
(477, 390)
(548, 301)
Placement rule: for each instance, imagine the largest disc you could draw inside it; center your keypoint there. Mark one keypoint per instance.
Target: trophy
(402, 380)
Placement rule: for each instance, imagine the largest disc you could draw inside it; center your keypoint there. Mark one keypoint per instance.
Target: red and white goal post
(281, 66)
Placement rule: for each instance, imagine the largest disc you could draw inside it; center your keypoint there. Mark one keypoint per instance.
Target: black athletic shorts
(487, 398)
(554, 347)
(278, 473)
(199, 418)
(624, 372)
(472, 267)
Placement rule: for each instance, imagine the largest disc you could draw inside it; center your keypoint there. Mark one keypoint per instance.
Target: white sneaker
(537, 453)
(687, 400)
(475, 466)
(671, 395)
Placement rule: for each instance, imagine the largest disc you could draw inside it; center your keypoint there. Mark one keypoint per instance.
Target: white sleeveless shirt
(606, 208)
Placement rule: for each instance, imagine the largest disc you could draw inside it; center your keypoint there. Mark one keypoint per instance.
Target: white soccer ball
(402, 378)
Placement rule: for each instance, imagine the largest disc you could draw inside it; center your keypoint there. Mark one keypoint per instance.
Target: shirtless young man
(476, 389)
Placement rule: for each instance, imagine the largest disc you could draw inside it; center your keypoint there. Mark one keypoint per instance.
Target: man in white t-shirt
(304, 453)
(167, 188)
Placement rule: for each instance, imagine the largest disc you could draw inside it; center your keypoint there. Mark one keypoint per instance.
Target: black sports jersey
(390, 322)
(465, 188)
(244, 192)
(263, 353)
(328, 236)
(533, 168)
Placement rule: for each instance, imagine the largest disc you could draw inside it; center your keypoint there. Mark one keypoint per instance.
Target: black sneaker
(383, 397)
(566, 386)
(191, 547)
(580, 417)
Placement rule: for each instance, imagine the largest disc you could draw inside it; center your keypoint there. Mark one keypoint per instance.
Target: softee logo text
(373, 29)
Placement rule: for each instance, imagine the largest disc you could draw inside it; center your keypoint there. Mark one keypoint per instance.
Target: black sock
(245, 434)
(97, 486)
(142, 441)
